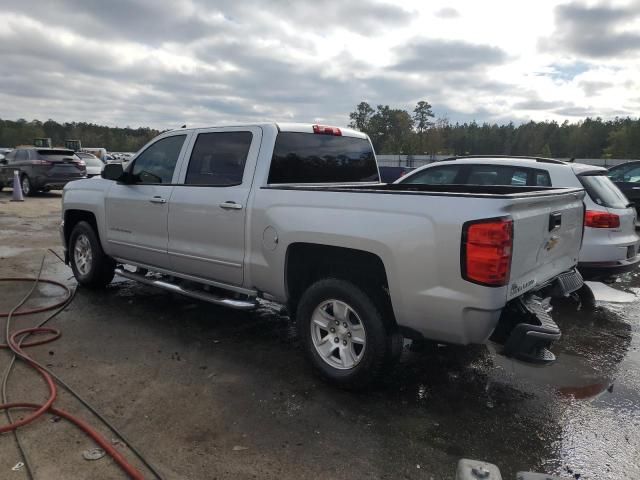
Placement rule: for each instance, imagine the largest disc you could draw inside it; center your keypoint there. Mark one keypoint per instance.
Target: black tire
(378, 352)
(101, 268)
(27, 186)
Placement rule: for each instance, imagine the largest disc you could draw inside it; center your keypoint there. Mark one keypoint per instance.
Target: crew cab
(296, 214)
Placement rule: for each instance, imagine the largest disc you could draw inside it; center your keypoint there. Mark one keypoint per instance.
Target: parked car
(41, 169)
(610, 243)
(94, 164)
(626, 176)
(296, 213)
(391, 174)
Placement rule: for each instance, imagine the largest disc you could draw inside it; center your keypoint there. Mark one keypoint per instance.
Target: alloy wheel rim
(82, 254)
(338, 334)
(26, 186)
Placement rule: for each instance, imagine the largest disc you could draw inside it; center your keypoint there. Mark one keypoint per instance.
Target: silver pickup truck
(296, 214)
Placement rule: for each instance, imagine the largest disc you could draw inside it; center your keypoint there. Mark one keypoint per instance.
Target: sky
(162, 63)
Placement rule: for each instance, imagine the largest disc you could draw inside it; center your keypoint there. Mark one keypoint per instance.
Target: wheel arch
(71, 218)
(306, 263)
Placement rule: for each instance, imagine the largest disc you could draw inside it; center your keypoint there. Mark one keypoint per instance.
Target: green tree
(421, 116)
(361, 117)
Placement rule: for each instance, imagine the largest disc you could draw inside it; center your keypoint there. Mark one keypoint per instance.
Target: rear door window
(312, 158)
(603, 191)
(444, 175)
(21, 155)
(218, 158)
(157, 163)
(501, 175)
(542, 179)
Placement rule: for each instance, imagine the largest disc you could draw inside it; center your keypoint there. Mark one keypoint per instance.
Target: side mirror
(112, 171)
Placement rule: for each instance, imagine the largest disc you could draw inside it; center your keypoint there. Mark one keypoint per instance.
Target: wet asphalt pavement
(206, 392)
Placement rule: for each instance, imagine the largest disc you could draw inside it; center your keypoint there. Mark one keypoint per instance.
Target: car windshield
(602, 191)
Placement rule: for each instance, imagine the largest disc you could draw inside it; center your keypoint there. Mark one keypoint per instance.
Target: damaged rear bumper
(525, 329)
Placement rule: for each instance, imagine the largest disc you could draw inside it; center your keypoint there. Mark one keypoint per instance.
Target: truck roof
(286, 127)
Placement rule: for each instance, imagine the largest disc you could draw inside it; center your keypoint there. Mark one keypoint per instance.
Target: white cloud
(162, 64)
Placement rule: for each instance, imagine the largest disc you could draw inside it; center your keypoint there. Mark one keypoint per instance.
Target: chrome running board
(205, 296)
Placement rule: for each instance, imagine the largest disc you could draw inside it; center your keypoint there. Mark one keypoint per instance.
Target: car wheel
(91, 267)
(27, 189)
(343, 333)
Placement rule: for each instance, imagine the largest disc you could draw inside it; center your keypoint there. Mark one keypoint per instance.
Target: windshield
(602, 191)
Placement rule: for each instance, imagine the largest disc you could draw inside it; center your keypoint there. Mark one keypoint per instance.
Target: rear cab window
(314, 158)
(602, 190)
(53, 154)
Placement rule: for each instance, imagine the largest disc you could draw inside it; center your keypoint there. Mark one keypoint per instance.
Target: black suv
(41, 169)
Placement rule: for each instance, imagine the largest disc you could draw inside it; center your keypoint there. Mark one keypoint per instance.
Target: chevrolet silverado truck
(296, 214)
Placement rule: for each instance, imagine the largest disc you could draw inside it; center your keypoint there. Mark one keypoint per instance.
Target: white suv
(610, 243)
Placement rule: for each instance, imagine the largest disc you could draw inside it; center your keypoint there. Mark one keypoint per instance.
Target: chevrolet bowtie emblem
(551, 243)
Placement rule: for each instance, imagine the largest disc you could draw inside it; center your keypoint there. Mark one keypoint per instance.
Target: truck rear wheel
(91, 267)
(343, 333)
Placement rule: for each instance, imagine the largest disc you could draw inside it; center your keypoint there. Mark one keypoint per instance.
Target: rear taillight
(596, 219)
(82, 163)
(487, 246)
(325, 130)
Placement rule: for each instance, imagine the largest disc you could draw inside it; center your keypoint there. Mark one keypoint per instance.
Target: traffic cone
(17, 188)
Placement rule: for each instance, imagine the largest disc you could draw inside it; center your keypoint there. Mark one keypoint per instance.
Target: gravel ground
(211, 393)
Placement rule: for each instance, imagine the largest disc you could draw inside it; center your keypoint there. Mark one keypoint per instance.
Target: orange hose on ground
(13, 343)
(99, 439)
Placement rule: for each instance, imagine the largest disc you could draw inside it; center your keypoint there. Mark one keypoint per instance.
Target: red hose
(47, 378)
(13, 343)
(37, 309)
(99, 439)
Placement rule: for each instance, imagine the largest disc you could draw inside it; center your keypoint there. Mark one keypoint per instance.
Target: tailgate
(547, 236)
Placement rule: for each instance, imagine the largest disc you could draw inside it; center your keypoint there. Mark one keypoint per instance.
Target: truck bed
(484, 191)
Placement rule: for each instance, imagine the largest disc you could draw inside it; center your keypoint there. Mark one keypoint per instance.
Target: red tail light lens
(596, 219)
(486, 251)
(325, 130)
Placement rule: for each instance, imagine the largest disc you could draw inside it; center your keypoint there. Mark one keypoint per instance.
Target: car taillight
(596, 219)
(487, 247)
(325, 130)
(82, 163)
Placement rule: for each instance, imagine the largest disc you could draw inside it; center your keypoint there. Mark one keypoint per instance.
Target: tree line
(393, 131)
(397, 131)
(114, 139)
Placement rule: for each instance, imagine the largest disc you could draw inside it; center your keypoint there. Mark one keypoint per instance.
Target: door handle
(229, 205)
(157, 199)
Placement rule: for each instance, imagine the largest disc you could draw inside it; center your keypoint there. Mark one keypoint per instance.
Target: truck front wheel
(343, 333)
(91, 267)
